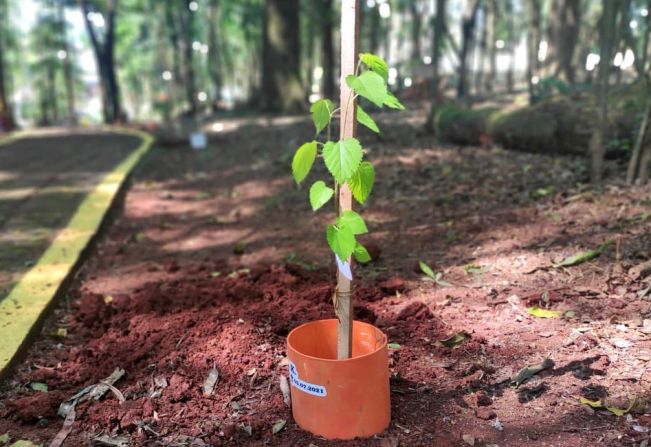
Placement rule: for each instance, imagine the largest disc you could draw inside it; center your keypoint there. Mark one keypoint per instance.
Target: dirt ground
(216, 256)
(43, 178)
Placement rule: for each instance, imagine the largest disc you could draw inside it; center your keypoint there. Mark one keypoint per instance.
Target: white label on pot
(309, 388)
(344, 268)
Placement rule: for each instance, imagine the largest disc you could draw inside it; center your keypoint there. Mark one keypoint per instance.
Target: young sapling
(344, 159)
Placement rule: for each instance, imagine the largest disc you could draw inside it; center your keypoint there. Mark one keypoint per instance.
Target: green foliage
(344, 158)
(352, 221)
(341, 241)
(361, 183)
(303, 161)
(365, 119)
(320, 194)
(392, 102)
(321, 113)
(376, 64)
(361, 254)
(369, 85)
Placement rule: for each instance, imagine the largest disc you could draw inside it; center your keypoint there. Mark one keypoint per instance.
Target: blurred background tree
(84, 61)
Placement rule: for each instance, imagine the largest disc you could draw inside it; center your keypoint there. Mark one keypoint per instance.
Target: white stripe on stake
(344, 268)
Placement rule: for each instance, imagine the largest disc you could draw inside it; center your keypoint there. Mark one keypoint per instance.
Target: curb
(24, 309)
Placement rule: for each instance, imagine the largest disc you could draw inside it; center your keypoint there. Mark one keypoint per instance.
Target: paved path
(43, 179)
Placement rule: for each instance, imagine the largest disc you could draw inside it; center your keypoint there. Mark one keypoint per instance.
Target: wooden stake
(348, 128)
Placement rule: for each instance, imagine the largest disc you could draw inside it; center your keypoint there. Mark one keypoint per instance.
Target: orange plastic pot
(339, 399)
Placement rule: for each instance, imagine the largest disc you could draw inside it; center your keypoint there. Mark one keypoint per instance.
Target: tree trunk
(52, 92)
(6, 115)
(327, 50)
(634, 163)
(467, 31)
(105, 60)
(533, 43)
(622, 34)
(481, 55)
(213, 53)
(439, 34)
(641, 65)
(282, 90)
(606, 41)
(415, 30)
(491, 23)
(67, 66)
(564, 30)
(187, 27)
(510, 45)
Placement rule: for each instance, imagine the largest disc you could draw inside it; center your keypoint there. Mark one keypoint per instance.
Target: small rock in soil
(392, 285)
(483, 399)
(468, 439)
(35, 406)
(416, 311)
(485, 413)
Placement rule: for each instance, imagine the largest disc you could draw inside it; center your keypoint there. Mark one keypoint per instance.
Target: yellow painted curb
(22, 310)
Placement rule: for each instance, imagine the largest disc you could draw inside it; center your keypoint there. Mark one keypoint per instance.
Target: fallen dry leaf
(284, 388)
(208, 387)
(456, 340)
(531, 370)
(543, 313)
(279, 425)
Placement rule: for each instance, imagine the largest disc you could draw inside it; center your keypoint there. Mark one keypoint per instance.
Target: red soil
(165, 298)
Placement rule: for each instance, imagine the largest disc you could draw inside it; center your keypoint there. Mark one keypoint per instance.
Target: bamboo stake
(348, 128)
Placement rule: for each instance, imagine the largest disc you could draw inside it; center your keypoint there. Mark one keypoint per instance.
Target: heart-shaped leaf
(352, 221)
(320, 194)
(341, 241)
(361, 183)
(342, 158)
(370, 85)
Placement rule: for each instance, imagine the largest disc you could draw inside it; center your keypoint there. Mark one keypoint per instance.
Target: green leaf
(321, 112)
(370, 85)
(38, 386)
(361, 254)
(456, 340)
(320, 194)
(364, 119)
(5, 438)
(342, 158)
(353, 222)
(584, 256)
(543, 313)
(591, 403)
(393, 346)
(376, 64)
(303, 161)
(361, 183)
(341, 241)
(392, 102)
(427, 270)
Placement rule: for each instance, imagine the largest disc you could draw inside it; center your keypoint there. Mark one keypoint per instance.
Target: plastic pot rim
(379, 346)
